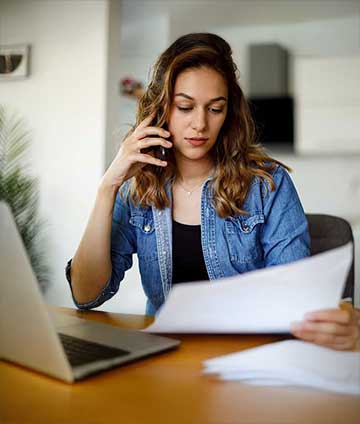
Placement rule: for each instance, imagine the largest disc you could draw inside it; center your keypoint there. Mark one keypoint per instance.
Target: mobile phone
(161, 152)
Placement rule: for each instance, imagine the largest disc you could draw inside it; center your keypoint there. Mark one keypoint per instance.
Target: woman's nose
(198, 122)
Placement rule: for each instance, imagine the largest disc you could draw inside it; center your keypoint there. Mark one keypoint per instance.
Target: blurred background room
(89, 60)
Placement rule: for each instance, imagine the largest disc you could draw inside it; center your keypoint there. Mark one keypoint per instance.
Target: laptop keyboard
(80, 352)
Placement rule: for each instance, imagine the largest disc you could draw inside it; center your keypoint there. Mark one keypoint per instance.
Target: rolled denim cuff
(106, 292)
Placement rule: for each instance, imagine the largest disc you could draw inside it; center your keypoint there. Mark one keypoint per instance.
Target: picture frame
(14, 61)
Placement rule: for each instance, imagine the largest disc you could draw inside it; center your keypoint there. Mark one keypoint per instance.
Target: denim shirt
(273, 232)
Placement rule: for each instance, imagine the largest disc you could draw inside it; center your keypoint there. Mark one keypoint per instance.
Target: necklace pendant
(189, 192)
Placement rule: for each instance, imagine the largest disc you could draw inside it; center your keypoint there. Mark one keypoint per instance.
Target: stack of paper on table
(263, 301)
(291, 362)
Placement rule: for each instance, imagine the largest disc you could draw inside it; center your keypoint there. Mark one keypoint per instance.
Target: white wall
(327, 109)
(63, 101)
(113, 67)
(211, 14)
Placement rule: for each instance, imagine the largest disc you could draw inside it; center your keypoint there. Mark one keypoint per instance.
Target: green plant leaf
(20, 191)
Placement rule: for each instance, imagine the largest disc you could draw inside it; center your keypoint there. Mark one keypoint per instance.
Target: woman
(193, 195)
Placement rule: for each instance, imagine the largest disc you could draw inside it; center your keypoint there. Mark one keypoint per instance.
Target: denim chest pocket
(243, 238)
(145, 234)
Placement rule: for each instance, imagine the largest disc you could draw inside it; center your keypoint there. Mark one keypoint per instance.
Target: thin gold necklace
(190, 192)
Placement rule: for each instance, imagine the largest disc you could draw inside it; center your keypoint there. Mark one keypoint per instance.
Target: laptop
(65, 347)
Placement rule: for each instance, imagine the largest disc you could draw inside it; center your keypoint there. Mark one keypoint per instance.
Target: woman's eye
(187, 109)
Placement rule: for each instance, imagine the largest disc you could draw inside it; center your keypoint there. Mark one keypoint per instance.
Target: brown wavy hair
(237, 156)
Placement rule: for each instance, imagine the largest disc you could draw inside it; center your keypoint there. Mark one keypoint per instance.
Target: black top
(188, 259)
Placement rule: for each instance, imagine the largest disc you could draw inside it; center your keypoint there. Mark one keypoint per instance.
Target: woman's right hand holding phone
(130, 158)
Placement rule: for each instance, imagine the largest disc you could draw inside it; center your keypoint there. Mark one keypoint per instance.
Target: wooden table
(166, 388)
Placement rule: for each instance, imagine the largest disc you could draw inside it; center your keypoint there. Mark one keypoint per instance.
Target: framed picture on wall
(14, 61)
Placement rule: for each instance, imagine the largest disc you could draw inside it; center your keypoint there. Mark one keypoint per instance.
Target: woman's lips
(197, 141)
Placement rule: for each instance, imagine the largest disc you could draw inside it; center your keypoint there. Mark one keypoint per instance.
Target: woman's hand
(130, 158)
(335, 328)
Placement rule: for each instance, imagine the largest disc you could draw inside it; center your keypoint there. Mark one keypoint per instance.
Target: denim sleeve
(285, 236)
(123, 245)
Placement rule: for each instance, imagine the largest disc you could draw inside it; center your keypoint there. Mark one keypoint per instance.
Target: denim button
(147, 228)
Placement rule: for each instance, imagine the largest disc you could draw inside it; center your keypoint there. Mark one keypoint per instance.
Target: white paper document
(291, 363)
(263, 301)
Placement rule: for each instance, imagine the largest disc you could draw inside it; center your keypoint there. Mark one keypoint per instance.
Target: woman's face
(197, 112)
